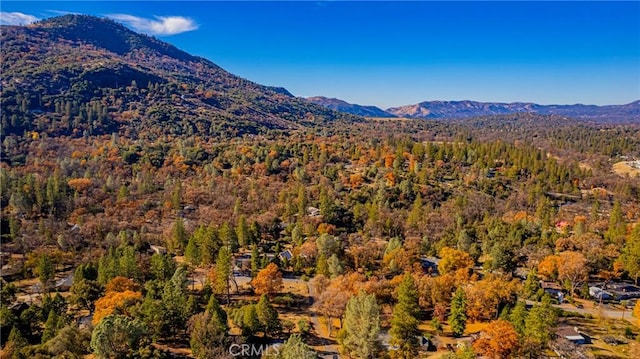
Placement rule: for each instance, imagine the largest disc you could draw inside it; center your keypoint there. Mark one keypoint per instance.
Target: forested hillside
(184, 212)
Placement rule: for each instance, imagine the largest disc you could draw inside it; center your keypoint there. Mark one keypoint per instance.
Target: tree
(295, 348)
(70, 342)
(572, 267)
(207, 334)
(498, 340)
(518, 317)
(116, 336)
(636, 312)
(268, 281)
(192, 252)
(178, 240)
(539, 326)
(457, 317)
(268, 316)
(453, 260)
(531, 285)
(359, 336)
(630, 256)
(51, 326)
(404, 323)
(45, 270)
(15, 343)
(114, 301)
(223, 272)
(334, 266)
(174, 300)
(162, 266)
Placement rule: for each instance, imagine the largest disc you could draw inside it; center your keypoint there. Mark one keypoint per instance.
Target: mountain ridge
(343, 106)
(78, 74)
(467, 108)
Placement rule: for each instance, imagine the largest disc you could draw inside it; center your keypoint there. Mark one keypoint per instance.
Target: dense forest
(135, 225)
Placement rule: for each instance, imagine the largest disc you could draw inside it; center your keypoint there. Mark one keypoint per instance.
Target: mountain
(466, 109)
(77, 74)
(342, 106)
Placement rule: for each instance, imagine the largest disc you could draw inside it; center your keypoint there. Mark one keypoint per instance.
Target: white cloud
(162, 25)
(16, 18)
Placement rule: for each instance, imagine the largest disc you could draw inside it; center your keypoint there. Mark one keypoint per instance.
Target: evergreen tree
(174, 300)
(359, 336)
(457, 317)
(229, 237)
(223, 273)
(118, 336)
(192, 252)
(404, 323)
(295, 348)
(518, 317)
(267, 315)
(531, 284)
(539, 324)
(50, 326)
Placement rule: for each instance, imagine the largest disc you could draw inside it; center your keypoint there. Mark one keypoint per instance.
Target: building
(572, 334)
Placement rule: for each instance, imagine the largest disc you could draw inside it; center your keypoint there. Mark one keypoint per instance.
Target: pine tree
(359, 336)
(404, 323)
(50, 326)
(295, 348)
(457, 317)
(539, 324)
(518, 317)
(223, 273)
(268, 316)
(192, 252)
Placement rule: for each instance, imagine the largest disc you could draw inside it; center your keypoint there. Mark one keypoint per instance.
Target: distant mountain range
(78, 74)
(465, 109)
(343, 106)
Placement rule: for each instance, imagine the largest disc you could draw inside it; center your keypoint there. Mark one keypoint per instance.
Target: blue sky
(390, 54)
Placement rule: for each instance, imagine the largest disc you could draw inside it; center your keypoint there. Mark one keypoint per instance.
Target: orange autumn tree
(268, 281)
(498, 340)
(453, 260)
(121, 293)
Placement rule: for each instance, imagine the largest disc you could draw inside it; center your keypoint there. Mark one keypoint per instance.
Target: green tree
(223, 273)
(617, 225)
(45, 270)
(116, 336)
(178, 240)
(334, 266)
(207, 335)
(457, 317)
(250, 321)
(174, 300)
(229, 237)
(192, 252)
(531, 284)
(268, 316)
(295, 348)
(162, 266)
(518, 317)
(404, 323)
(630, 256)
(359, 335)
(243, 232)
(539, 324)
(51, 326)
